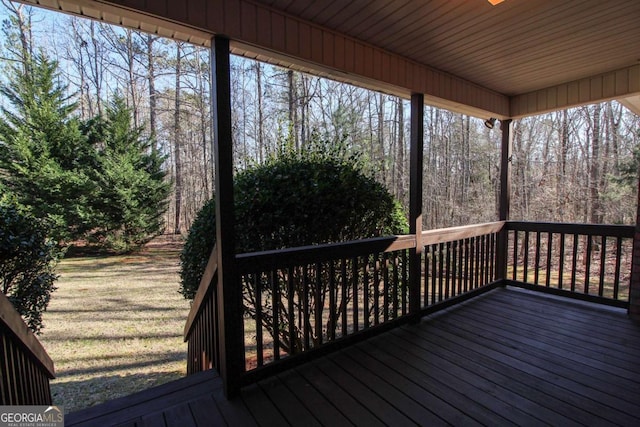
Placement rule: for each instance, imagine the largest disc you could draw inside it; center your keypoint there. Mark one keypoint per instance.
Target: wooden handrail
(443, 235)
(203, 289)
(279, 258)
(13, 321)
(572, 228)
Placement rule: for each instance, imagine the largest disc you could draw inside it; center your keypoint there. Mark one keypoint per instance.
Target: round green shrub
(295, 200)
(27, 261)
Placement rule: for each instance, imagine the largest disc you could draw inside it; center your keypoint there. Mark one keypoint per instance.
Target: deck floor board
(592, 346)
(602, 384)
(509, 357)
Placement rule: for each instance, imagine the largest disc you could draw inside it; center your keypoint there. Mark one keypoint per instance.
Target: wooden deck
(509, 357)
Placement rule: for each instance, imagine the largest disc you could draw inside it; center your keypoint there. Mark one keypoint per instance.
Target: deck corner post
(634, 286)
(505, 196)
(415, 202)
(229, 308)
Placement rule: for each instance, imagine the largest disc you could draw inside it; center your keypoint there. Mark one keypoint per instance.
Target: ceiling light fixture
(495, 2)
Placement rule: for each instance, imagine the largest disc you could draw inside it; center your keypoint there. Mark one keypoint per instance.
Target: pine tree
(133, 192)
(45, 161)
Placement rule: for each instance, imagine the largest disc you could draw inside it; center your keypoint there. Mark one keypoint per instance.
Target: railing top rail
(442, 235)
(612, 230)
(280, 258)
(203, 289)
(13, 321)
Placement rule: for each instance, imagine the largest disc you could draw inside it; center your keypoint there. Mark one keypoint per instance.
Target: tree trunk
(595, 170)
(151, 81)
(261, 148)
(293, 110)
(97, 68)
(400, 178)
(177, 140)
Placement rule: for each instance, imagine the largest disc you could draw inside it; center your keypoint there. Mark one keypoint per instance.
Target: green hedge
(294, 200)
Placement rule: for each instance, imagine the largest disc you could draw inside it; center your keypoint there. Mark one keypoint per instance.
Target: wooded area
(578, 165)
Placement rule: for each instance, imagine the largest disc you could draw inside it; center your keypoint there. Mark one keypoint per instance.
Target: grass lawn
(114, 326)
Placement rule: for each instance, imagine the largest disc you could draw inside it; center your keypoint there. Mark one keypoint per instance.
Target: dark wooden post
(505, 195)
(634, 288)
(229, 298)
(415, 202)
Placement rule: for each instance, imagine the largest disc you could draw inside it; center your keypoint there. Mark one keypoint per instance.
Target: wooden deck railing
(201, 330)
(586, 261)
(25, 366)
(297, 300)
(458, 261)
(301, 302)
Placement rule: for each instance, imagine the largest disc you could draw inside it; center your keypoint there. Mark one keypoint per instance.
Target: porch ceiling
(515, 47)
(518, 58)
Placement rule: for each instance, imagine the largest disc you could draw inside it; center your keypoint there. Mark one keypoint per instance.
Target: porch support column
(634, 288)
(229, 293)
(415, 202)
(505, 195)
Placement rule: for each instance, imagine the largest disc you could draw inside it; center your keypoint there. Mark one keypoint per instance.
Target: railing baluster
(574, 261)
(460, 265)
(561, 261)
(485, 269)
(331, 327)
(616, 281)
(525, 261)
(356, 314)
(385, 278)
(587, 268)
(290, 308)
(434, 273)
(481, 270)
(603, 256)
(206, 355)
(365, 292)
(470, 270)
(536, 274)
(476, 261)
(305, 308)
(492, 265)
(454, 265)
(468, 256)
(275, 304)
(343, 304)
(319, 304)
(202, 345)
(440, 271)
(257, 283)
(515, 255)
(376, 290)
(549, 250)
(425, 268)
(395, 285)
(405, 281)
(448, 271)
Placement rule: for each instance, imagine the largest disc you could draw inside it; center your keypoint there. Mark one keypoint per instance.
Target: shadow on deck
(507, 357)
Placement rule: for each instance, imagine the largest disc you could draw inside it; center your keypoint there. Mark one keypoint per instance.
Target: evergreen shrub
(311, 197)
(27, 261)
